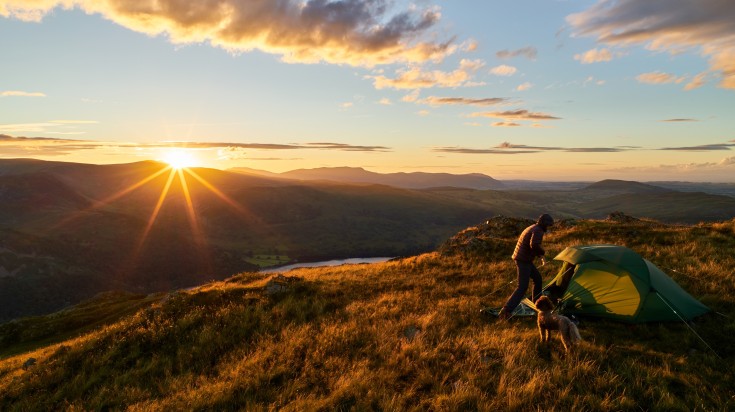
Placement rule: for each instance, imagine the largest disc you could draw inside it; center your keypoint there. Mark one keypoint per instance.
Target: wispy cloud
(510, 148)
(43, 127)
(658, 78)
(19, 93)
(596, 56)
(708, 171)
(524, 86)
(488, 101)
(416, 78)
(675, 26)
(355, 32)
(677, 120)
(520, 114)
(273, 146)
(503, 70)
(529, 52)
(702, 148)
(466, 150)
(11, 146)
(506, 124)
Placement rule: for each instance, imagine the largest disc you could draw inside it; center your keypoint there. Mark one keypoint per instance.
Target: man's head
(545, 221)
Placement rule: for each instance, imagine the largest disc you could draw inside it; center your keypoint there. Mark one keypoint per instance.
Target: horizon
(557, 92)
(174, 166)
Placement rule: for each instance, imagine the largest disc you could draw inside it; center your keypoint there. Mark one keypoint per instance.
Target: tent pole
(687, 323)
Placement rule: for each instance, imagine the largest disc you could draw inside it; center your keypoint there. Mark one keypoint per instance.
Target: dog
(548, 321)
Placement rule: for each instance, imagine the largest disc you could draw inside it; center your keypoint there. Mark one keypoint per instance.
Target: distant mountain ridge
(410, 180)
(626, 186)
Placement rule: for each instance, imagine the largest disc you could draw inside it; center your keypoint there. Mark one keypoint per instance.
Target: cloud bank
(705, 26)
(353, 32)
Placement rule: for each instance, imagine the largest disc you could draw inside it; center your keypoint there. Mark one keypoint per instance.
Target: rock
(28, 363)
(280, 284)
(620, 217)
(411, 332)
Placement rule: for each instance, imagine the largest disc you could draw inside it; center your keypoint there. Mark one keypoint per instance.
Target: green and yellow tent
(614, 282)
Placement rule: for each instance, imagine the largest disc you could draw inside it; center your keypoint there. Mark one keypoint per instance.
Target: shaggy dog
(548, 321)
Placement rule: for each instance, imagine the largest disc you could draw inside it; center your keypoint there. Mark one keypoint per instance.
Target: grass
(401, 335)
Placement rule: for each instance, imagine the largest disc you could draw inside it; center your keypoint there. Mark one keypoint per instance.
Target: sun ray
(106, 201)
(156, 211)
(196, 229)
(241, 210)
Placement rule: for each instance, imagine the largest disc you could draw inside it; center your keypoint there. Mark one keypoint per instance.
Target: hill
(69, 231)
(401, 335)
(413, 180)
(625, 186)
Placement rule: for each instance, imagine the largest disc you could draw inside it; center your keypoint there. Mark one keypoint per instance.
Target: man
(527, 248)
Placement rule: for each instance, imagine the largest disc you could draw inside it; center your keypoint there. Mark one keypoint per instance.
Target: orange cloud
(19, 93)
(354, 32)
(415, 78)
(594, 56)
(658, 78)
(667, 25)
(520, 114)
(503, 70)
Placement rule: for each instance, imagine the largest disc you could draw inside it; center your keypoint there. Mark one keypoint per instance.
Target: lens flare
(180, 159)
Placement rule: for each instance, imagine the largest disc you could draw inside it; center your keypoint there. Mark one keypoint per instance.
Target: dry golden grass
(403, 335)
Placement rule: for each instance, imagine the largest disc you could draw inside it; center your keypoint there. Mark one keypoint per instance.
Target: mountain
(69, 231)
(625, 186)
(400, 335)
(414, 180)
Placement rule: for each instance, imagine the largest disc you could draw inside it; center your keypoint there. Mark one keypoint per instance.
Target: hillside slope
(402, 335)
(411, 180)
(69, 231)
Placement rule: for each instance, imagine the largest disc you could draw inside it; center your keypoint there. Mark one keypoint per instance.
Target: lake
(337, 262)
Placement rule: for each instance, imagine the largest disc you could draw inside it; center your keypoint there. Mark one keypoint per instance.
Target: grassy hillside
(69, 231)
(402, 335)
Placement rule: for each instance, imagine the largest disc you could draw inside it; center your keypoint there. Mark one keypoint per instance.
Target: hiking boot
(503, 315)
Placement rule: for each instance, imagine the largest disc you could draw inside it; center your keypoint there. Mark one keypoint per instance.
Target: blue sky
(545, 90)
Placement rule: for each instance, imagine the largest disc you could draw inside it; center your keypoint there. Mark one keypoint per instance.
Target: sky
(517, 89)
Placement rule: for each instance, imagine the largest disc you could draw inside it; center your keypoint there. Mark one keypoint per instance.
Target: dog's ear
(543, 303)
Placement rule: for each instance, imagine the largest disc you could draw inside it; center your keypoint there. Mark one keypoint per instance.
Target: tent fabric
(614, 282)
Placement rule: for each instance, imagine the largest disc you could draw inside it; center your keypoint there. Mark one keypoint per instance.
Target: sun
(180, 159)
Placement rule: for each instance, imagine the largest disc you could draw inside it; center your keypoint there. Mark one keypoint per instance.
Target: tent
(614, 282)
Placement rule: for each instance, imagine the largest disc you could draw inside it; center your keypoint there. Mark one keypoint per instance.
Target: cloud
(11, 146)
(520, 114)
(503, 70)
(702, 148)
(415, 78)
(594, 56)
(506, 124)
(19, 93)
(697, 82)
(510, 148)
(489, 101)
(529, 52)
(354, 32)
(75, 121)
(524, 86)
(346, 105)
(464, 150)
(272, 146)
(675, 26)
(721, 171)
(679, 120)
(658, 78)
(385, 101)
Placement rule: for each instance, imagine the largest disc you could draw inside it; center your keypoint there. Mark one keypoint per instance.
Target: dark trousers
(526, 271)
